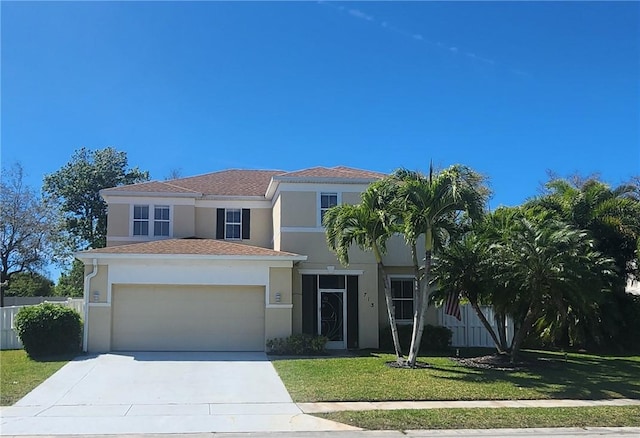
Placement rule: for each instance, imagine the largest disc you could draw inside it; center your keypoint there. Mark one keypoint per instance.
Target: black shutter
(352, 311)
(310, 304)
(246, 223)
(220, 223)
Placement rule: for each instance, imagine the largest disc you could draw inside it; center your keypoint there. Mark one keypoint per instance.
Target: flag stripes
(452, 306)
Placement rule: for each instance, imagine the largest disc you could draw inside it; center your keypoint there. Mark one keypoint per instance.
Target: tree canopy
(76, 188)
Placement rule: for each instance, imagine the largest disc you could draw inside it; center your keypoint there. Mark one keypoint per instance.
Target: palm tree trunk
(389, 300)
(487, 326)
(418, 327)
(523, 330)
(500, 319)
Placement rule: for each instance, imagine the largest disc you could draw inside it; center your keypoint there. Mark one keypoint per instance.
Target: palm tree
(546, 263)
(429, 207)
(368, 225)
(464, 267)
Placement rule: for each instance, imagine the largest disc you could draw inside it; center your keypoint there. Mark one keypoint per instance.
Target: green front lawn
(367, 378)
(19, 374)
(491, 418)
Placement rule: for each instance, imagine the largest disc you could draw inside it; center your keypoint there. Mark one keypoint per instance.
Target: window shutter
(246, 223)
(220, 223)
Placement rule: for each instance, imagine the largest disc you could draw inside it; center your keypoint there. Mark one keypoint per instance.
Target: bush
(49, 329)
(299, 344)
(434, 338)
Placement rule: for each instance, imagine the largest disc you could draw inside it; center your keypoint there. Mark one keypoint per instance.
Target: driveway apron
(160, 392)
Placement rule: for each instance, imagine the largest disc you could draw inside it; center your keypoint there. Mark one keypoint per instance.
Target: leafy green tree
(29, 284)
(26, 227)
(76, 187)
(430, 207)
(548, 264)
(71, 282)
(368, 225)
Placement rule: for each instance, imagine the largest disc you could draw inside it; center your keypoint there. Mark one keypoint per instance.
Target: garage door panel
(189, 318)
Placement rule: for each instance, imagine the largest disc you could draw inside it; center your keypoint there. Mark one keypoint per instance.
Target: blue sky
(511, 89)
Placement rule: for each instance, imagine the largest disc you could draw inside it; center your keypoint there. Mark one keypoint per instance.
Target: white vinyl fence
(469, 332)
(8, 337)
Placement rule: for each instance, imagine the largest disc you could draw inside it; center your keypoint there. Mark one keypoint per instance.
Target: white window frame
(413, 297)
(150, 220)
(140, 220)
(162, 221)
(338, 196)
(239, 223)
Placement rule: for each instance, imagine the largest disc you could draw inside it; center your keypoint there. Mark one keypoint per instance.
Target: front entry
(330, 308)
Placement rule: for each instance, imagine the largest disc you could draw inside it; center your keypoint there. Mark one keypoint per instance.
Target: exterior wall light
(278, 297)
(96, 295)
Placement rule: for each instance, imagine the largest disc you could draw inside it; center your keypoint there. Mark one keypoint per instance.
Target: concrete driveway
(148, 392)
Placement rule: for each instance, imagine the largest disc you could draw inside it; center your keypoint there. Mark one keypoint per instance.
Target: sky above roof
(511, 89)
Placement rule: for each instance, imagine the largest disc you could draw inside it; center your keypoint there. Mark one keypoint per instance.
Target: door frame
(334, 345)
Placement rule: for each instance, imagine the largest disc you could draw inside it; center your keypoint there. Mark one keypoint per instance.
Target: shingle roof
(334, 172)
(190, 247)
(236, 182)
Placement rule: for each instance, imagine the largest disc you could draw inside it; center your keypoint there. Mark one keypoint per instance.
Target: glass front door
(331, 311)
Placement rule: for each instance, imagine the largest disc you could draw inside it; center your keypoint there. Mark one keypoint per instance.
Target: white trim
(146, 199)
(87, 281)
(302, 229)
(137, 239)
(319, 203)
(107, 304)
(151, 221)
(233, 202)
(324, 186)
(279, 306)
(116, 256)
(330, 272)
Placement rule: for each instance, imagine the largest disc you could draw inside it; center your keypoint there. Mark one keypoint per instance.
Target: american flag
(452, 306)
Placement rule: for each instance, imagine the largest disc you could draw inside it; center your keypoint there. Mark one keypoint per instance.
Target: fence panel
(9, 339)
(469, 332)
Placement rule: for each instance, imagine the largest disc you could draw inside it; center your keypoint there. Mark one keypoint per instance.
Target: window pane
(161, 213)
(232, 231)
(161, 228)
(331, 282)
(141, 212)
(328, 200)
(233, 216)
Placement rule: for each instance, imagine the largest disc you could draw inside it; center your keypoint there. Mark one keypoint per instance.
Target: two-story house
(230, 259)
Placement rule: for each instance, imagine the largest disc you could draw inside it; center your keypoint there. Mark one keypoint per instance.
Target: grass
(366, 378)
(19, 374)
(490, 418)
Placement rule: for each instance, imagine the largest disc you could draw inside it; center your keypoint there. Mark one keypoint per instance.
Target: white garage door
(187, 318)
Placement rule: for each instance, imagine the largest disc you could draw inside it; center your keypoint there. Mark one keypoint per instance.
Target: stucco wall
(351, 198)
(183, 221)
(261, 227)
(98, 283)
(299, 209)
(205, 222)
(314, 245)
(280, 282)
(118, 220)
(277, 323)
(99, 333)
(276, 216)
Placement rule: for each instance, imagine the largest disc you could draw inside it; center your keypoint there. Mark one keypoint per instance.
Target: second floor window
(161, 220)
(233, 223)
(141, 220)
(327, 200)
(156, 225)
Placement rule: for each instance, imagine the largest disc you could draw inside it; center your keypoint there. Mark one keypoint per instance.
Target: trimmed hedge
(49, 329)
(434, 338)
(299, 344)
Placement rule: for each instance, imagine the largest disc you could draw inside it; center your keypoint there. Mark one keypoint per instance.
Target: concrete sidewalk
(316, 408)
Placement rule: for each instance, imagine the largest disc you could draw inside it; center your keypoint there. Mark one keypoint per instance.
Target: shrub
(298, 344)
(49, 329)
(434, 338)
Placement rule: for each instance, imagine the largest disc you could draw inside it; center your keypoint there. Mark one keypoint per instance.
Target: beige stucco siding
(280, 282)
(314, 246)
(299, 209)
(98, 283)
(99, 332)
(351, 198)
(184, 221)
(277, 323)
(205, 225)
(261, 228)
(188, 318)
(118, 220)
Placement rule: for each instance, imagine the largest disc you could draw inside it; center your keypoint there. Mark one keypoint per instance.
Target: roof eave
(123, 193)
(88, 255)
